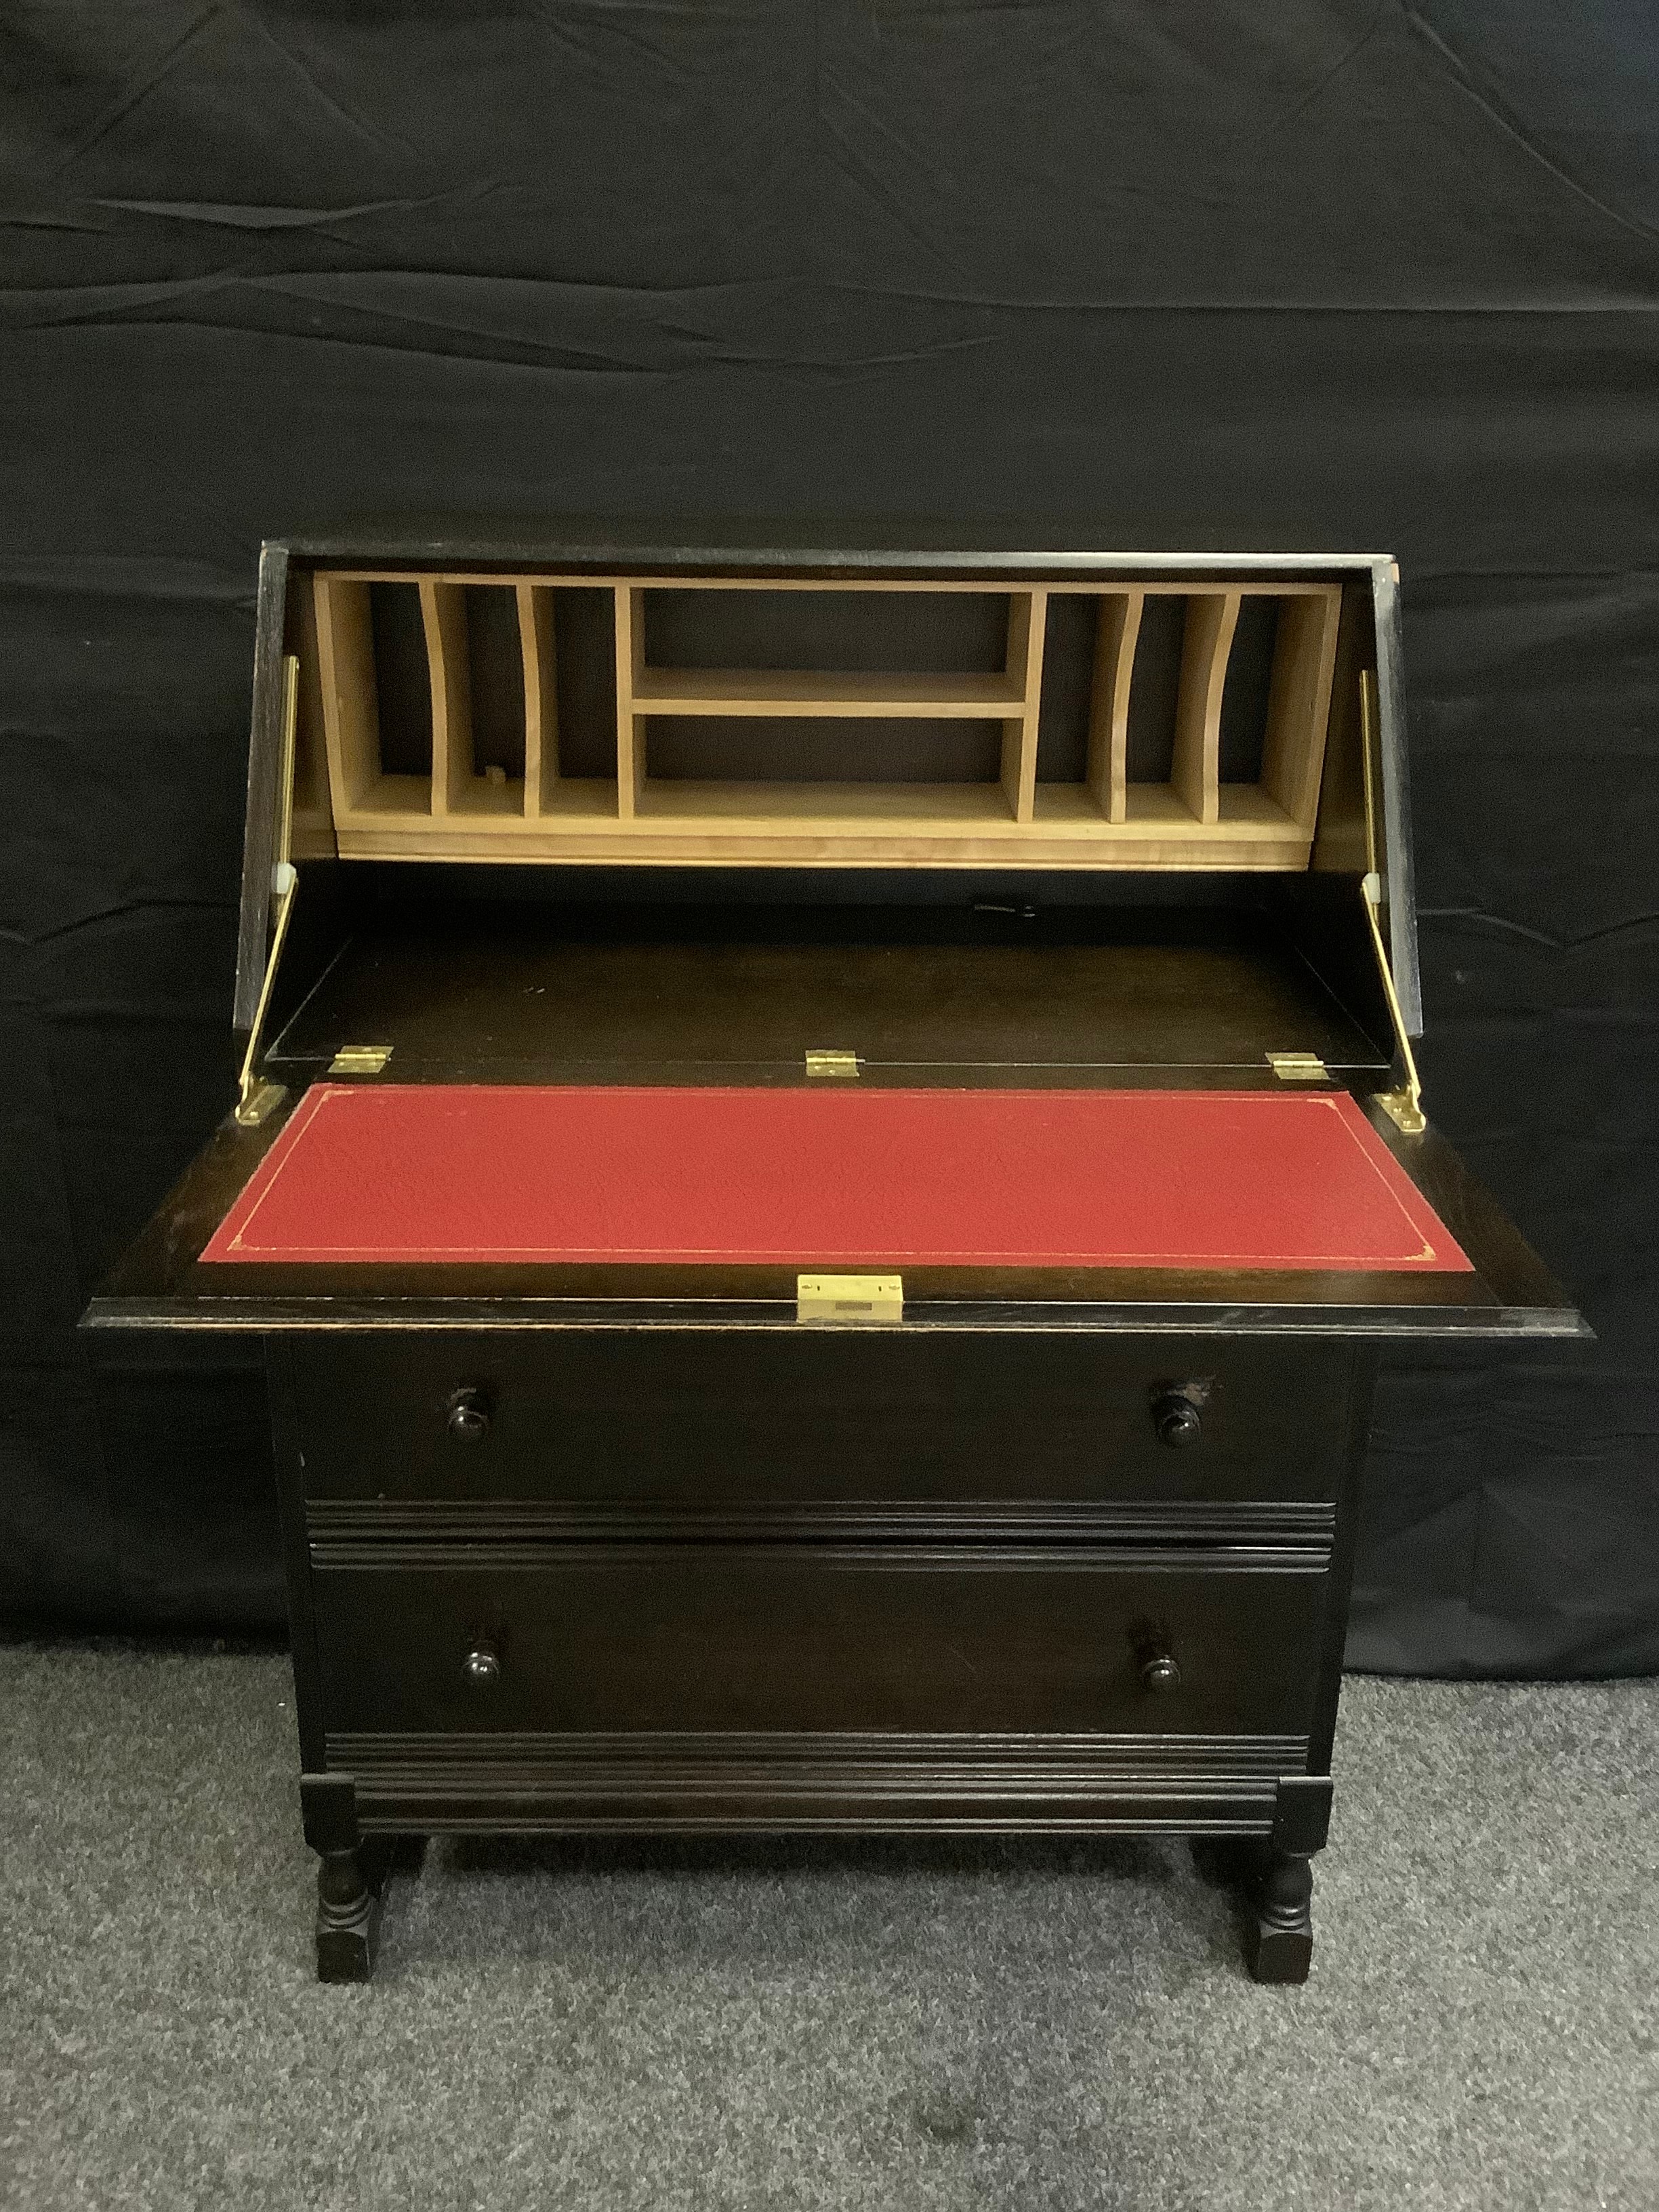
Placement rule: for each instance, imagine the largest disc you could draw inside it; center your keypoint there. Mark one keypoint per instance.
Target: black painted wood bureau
(721, 1541)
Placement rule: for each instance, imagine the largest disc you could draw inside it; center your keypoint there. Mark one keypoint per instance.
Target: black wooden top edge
(604, 546)
(275, 1314)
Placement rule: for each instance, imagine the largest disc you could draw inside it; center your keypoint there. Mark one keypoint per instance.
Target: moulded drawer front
(807, 1638)
(704, 1419)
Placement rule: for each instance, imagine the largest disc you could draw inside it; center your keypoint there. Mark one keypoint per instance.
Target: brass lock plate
(850, 1299)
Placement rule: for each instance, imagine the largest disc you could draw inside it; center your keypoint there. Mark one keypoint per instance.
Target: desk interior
(509, 992)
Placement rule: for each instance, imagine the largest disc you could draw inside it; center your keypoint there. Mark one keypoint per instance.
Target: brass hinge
(1298, 1067)
(841, 1066)
(360, 1059)
(255, 1099)
(1403, 1105)
(849, 1298)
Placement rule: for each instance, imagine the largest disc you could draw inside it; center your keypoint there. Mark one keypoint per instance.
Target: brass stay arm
(1403, 1106)
(254, 1100)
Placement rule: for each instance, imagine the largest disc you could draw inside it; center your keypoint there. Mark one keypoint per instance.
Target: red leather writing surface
(848, 1177)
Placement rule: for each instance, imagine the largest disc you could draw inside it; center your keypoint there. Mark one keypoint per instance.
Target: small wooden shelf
(747, 692)
(496, 788)
(921, 807)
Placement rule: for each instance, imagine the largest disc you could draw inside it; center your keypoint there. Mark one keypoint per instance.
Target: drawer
(705, 1419)
(535, 1640)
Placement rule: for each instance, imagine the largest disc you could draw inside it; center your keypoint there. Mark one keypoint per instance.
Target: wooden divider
(443, 610)
(311, 828)
(1299, 703)
(1028, 621)
(1196, 768)
(345, 654)
(1115, 636)
(630, 725)
(541, 709)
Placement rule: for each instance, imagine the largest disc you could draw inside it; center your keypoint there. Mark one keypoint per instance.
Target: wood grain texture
(541, 698)
(782, 694)
(345, 647)
(1182, 574)
(1027, 626)
(844, 825)
(1299, 704)
(1115, 637)
(443, 615)
(630, 725)
(1194, 772)
(312, 836)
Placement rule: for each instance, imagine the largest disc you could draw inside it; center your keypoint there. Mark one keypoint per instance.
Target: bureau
(826, 1145)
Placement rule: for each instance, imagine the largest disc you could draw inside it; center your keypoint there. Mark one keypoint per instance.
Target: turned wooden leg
(1278, 1922)
(348, 1916)
(349, 1875)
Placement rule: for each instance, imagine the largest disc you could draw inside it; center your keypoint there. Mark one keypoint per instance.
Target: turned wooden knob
(482, 1666)
(1178, 1421)
(468, 1416)
(1160, 1673)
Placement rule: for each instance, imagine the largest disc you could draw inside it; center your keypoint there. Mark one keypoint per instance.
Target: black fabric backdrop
(1327, 274)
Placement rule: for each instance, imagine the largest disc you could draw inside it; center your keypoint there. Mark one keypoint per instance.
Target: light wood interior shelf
(430, 713)
(745, 691)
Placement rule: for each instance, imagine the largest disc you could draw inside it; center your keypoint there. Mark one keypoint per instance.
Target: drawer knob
(1160, 1673)
(482, 1666)
(468, 1416)
(1178, 1421)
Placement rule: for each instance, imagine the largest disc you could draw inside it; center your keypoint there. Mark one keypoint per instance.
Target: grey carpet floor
(822, 2024)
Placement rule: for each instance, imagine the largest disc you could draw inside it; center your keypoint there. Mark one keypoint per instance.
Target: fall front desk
(826, 1143)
